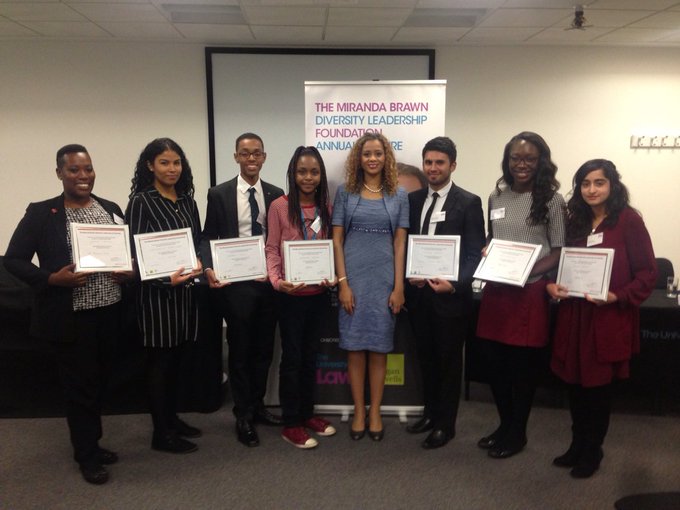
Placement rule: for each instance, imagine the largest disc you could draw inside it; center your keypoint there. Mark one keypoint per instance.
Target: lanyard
(304, 227)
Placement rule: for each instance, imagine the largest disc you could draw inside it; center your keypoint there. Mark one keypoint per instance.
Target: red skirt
(515, 315)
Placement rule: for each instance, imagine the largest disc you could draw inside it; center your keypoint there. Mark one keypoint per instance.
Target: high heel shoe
(357, 434)
(376, 435)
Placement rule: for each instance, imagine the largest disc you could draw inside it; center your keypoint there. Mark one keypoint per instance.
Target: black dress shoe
(184, 429)
(94, 473)
(246, 432)
(569, 458)
(506, 449)
(422, 425)
(588, 463)
(436, 439)
(172, 443)
(105, 456)
(491, 440)
(263, 416)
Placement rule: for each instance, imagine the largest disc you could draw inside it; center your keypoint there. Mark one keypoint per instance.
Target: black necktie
(426, 223)
(255, 227)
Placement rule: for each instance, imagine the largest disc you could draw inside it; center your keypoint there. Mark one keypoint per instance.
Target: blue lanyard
(304, 227)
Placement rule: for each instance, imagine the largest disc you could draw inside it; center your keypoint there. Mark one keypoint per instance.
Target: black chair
(664, 270)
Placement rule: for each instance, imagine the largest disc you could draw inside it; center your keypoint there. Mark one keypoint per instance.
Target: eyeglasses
(248, 155)
(528, 160)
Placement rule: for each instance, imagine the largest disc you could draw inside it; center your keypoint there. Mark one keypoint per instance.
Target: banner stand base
(345, 411)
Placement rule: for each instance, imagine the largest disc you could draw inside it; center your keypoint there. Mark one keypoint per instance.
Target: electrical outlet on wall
(644, 141)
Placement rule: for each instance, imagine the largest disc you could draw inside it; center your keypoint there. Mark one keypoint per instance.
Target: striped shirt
(167, 315)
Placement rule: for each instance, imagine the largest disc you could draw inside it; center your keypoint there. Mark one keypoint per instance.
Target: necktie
(426, 222)
(255, 227)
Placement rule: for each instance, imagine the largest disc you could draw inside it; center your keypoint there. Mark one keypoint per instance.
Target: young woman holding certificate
(77, 312)
(513, 321)
(370, 222)
(161, 199)
(595, 339)
(303, 214)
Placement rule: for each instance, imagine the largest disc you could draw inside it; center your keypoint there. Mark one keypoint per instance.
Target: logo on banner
(331, 371)
(395, 370)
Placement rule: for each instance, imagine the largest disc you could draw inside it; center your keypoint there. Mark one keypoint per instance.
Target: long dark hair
(320, 196)
(545, 185)
(580, 214)
(143, 177)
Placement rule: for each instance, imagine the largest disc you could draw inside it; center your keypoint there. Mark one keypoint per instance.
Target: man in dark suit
(238, 208)
(439, 309)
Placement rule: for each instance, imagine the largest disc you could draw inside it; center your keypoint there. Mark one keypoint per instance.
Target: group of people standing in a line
(369, 223)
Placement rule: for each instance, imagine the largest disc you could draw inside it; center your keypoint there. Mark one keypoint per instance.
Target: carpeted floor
(642, 454)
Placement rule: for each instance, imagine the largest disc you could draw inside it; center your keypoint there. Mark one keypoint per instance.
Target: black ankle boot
(588, 463)
(571, 457)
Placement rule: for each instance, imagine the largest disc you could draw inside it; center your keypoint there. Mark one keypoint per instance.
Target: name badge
(497, 214)
(118, 220)
(594, 239)
(316, 225)
(438, 217)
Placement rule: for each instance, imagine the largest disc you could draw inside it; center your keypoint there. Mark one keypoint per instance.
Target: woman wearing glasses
(513, 321)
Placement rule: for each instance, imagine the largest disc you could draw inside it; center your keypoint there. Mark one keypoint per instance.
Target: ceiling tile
(293, 16)
(428, 35)
(120, 12)
(495, 35)
(610, 18)
(652, 5)
(67, 29)
(668, 19)
(524, 17)
(368, 17)
(215, 33)
(562, 36)
(9, 29)
(634, 35)
(296, 35)
(39, 11)
(541, 4)
(359, 35)
(129, 30)
(460, 4)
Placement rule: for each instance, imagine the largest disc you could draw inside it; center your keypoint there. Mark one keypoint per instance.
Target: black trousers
(300, 326)
(84, 365)
(250, 311)
(440, 341)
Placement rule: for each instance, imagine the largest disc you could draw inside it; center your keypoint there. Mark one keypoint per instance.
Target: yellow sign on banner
(395, 370)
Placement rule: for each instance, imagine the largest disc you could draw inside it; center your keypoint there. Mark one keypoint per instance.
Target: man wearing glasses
(238, 208)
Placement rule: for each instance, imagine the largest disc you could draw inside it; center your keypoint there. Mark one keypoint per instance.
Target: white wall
(116, 97)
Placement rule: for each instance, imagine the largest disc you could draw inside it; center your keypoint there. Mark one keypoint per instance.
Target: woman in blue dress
(370, 222)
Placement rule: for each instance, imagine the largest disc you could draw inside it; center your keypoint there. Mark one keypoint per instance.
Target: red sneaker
(320, 426)
(298, 437)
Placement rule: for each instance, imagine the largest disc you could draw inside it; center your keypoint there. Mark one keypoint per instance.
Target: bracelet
(342, 279)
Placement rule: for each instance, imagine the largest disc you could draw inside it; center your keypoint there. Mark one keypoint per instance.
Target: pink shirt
(280, 229)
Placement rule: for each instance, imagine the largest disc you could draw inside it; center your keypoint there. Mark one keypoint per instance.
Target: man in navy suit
(439, 309)
(238, 208)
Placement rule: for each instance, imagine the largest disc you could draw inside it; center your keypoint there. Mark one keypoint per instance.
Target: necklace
(374, 190)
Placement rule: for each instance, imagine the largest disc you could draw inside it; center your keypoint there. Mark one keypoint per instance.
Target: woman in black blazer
(77, 312)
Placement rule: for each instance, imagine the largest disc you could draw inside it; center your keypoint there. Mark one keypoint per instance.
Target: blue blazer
(351, 200)
(42, 231)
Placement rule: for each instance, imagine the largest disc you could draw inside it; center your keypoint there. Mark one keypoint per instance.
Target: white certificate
(101, 248)
(433, 257)
(160, 254)
(238, 259)
(586, 271)
(508, 262)
(309, 262)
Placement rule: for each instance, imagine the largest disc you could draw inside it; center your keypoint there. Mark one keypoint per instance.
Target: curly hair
(320, 197)
(354, 174)
(545, 185)
(580, 214)
(143, 179)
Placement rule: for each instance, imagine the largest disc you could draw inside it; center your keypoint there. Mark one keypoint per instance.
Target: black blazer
(42, 231)
(464, 217)
(221, 217)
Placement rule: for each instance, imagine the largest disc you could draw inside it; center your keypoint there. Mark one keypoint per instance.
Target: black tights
(590, 409)
(513, 401)
(162, 373)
